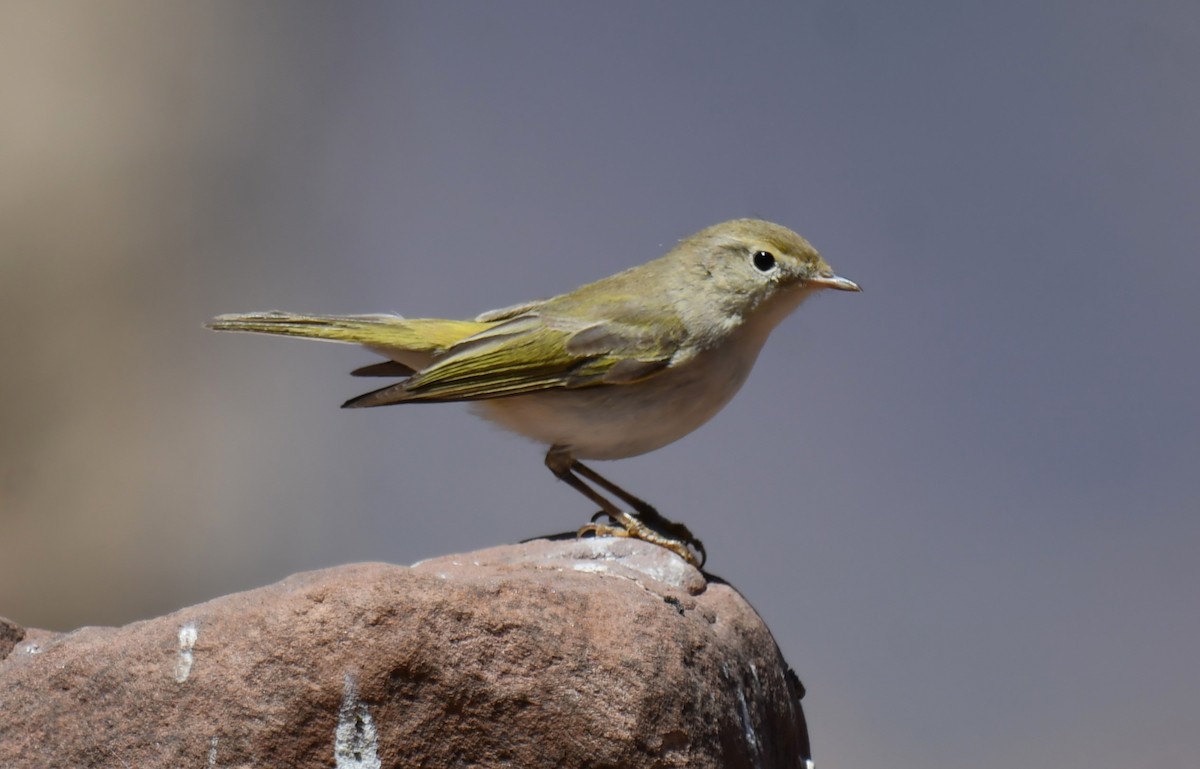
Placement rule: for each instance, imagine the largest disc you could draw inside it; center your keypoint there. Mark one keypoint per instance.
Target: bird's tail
(385, 334)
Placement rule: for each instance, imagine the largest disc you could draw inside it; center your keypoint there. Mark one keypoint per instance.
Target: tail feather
(384, 396)
(377, 332)
(386, 368)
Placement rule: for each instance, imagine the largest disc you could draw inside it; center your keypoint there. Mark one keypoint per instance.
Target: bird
(613, 369)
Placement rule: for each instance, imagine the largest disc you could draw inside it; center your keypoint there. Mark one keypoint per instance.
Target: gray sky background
(966, 500)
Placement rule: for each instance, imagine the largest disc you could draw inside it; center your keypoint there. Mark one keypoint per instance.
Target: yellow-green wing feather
(474, 360)
(523, 355)
(518, 356)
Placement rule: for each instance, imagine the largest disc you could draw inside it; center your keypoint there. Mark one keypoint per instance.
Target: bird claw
(688, 548)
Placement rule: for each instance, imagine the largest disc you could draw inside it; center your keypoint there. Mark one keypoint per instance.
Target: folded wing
(525, 354)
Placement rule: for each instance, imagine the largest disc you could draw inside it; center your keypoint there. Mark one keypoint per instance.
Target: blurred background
(965, 500)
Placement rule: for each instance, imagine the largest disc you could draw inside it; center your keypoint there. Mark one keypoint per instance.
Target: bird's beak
(829, 280)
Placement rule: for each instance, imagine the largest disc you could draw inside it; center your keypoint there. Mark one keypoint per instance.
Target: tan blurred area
(134, 143)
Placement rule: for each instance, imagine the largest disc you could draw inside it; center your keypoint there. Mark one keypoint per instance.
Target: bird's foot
(684, 545)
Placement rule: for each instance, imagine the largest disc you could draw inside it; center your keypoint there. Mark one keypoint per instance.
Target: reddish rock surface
(589, 653)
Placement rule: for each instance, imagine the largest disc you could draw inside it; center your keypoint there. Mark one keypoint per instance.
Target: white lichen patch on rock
(355, 741)
(187, 641)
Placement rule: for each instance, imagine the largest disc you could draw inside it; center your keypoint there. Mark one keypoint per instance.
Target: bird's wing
(529, 353)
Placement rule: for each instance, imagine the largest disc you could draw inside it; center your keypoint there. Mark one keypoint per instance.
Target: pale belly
(616, 421)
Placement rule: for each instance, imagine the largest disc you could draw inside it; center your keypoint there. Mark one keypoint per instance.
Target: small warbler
(613, 369)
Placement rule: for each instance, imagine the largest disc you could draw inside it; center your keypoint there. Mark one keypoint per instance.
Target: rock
(588, 653)
(10, 635)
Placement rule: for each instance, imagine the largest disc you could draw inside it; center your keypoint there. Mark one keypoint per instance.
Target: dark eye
(764, 261)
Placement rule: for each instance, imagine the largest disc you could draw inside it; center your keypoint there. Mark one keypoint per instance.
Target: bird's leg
(657, 529)
(647, 512)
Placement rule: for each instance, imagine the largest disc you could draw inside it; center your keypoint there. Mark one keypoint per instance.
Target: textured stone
(589, 653)
(10, 635)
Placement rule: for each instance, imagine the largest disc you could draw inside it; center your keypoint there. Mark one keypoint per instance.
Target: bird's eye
(764, 261)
